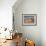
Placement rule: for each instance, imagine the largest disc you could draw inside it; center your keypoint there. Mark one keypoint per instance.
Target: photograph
(29, 19)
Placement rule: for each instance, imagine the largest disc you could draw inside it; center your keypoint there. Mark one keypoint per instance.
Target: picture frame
(29, 19)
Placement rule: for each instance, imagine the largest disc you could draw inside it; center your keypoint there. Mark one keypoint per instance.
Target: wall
(43, 22)
(6, 13)
(29, 32)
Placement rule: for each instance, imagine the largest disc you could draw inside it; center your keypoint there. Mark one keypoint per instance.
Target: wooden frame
(29, 19)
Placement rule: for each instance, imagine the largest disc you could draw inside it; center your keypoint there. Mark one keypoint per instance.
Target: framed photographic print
(29, 19)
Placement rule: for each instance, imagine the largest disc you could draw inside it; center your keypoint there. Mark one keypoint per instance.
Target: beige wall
(43, 22)
(28, 7)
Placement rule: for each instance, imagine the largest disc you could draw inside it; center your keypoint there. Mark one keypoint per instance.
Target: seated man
(18, 39)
